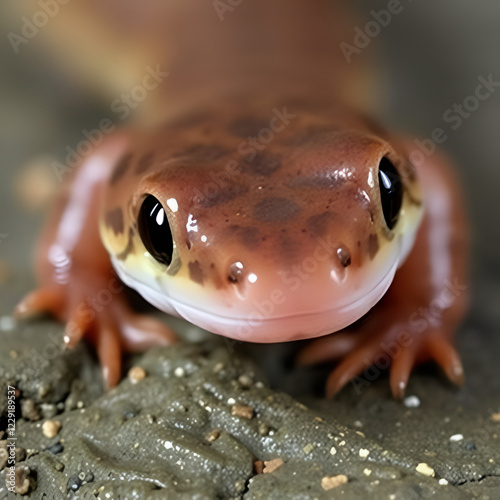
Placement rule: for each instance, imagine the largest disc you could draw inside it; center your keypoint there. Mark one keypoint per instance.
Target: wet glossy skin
(273, 242)
(273, 201)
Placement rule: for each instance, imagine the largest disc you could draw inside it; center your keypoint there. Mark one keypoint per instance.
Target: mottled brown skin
(275, 207)
(241, 199)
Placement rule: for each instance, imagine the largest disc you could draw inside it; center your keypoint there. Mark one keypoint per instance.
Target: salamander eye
(391, 191)
(155, 230)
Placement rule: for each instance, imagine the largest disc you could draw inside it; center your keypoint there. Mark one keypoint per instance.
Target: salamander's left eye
(155, 230)
(391, 191)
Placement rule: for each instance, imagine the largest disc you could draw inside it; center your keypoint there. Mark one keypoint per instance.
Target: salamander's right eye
(154, 230)
(391, 191)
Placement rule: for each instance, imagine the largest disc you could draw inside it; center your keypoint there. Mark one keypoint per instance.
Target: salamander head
(262, 241)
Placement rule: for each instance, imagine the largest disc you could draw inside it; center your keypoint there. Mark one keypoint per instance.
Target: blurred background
(428, 58)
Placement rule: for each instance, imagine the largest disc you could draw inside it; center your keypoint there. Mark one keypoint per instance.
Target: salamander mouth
(260, 328)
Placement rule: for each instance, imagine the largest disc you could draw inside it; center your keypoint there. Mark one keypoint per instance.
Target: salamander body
(265, 211)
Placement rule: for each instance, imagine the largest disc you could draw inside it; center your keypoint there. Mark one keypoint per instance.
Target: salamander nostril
(236, 272)
(344, 256)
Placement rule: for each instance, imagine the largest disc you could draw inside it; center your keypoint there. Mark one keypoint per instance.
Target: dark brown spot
(249, 236)
(344, 256)
(114, 220)
(316, 134)
(275, 210)
(247, 126)
(263, 164)
(373, 245)
(317, 224)
(145, 161)
(195, 272)
(218, 196)
(204, 152)
(120, 168)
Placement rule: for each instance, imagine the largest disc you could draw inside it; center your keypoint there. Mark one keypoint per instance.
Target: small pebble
(258, 466)
(48, 410)
(213, 436)
(470, 447)
(55, 448)
(272, 465)
(412, 402)
(363, 452)
(333, 450)
(242, 411)
(136, 374)
(218, 367)
(74, 483)
(425, 469)
(330, 482)
(456, 437)
(22, 474)
(51, 428)
(179, 372)
(245, 381)
(20, 455)
(308, 448)
(89, 478)
(44, 390)
(29, 411)
(495, 417)
(443, 481)
(367, 472)
(263, 429)
(129, 413)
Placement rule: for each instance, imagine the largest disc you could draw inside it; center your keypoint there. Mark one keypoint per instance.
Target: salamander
(263, 207)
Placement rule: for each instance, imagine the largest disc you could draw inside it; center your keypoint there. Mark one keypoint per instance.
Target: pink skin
(420, 312)
(425, 303)
(73, 268)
